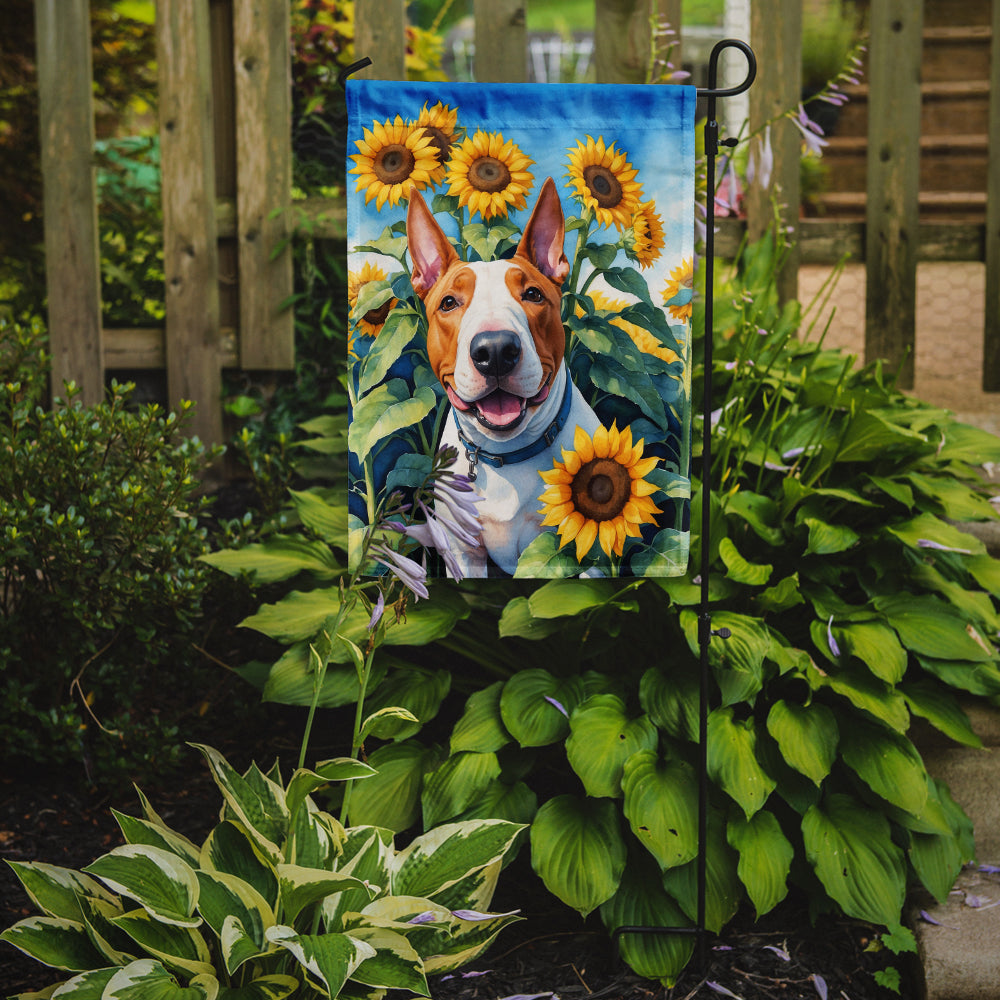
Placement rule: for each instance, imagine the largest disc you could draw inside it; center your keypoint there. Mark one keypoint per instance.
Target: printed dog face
(495, 337)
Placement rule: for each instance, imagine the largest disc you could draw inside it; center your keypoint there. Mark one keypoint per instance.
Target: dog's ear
(542, 242)
(430, 252)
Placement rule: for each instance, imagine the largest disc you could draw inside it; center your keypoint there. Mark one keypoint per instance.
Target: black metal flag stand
(705, 631)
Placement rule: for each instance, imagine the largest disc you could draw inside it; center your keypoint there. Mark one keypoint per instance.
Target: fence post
(991, 332)
(893, 183)
(262, 62)
(776, 34)
(501, 38)
(190, 250)
(72, 254)
(380, 34)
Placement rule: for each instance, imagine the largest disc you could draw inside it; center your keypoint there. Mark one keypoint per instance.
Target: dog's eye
(532, 294)
(448, 303)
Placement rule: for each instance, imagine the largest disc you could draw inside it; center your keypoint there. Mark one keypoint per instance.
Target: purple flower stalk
(410, 573)
(811, 132)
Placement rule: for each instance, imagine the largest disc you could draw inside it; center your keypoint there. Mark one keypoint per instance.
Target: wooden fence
(226, 161)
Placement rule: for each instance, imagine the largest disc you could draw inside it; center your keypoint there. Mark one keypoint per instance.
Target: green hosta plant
(279, 900)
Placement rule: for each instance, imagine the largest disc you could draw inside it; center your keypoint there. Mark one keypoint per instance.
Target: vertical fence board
(261, 58)
(190, 254)
(622, 40)
(893, 183)
(991, 332)
(380, 34)
(72, 256)
(501, 41)
(776, 35)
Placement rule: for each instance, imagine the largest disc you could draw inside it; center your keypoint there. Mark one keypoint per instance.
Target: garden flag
(520, 263)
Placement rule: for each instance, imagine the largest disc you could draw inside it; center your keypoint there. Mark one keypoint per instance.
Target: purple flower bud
(834, 648)
(377, 612)
(558, 705)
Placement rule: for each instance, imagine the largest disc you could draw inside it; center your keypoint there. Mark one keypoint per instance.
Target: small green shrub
(280, 899)
(99, 575)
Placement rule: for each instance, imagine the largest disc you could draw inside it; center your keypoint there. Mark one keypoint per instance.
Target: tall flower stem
(357, 737)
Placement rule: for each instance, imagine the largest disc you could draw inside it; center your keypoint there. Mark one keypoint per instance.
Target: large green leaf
(442, 857)
(876, 646)
(535, 706)
(562, 598)
(280, 557)
(55, 941)
(940, 707)
(395, 964)
(926, 528)
(330, 959)
(888, 763)
(870, 435)
(738, 661)
(481, 728)
(828, 539)
(671, 700)
(765, 858)
(517, 619)
(661, 806)
(866, 692)
(807, 736)
(325, 519)
(641, 901)
(385, 411)
(930, 627)
(851, 850)
(147, 979)
(739, 569)
(602, 738)
(456, 784)
(732, 760)
(578, 851)
(56, 891)
(391, 798)
(398, 330)
(417, 690)
(976, 678)
(164, 885)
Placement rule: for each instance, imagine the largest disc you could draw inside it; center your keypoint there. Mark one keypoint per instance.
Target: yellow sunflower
(440, 123)
(605, 182)
(597, 493)
(373, 320)
(680, 287)
(489, 175)
(639, 336)
(393, 159)
(649, 237)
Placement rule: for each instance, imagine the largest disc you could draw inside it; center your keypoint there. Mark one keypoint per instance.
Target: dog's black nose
(495, 352)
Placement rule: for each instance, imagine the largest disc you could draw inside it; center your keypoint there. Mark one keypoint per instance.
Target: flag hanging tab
(520, 279)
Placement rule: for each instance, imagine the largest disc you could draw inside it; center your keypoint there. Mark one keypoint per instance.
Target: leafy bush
(854, 604)
(101, 587)
(279, 899)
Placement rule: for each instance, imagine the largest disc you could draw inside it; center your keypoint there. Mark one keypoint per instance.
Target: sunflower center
(393, 164)
(601, 489)
(440, 142)
(603, 185)
(378, 316)
(489, 174)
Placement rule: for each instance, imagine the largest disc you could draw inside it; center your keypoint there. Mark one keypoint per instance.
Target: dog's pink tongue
(500, 408)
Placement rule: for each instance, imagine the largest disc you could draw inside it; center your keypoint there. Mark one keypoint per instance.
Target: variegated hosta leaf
(807, 736)
(329, 959)
(732, 760)
(56, 891)
(456, 784)
(301, 887)
(765, 858)
(723, 889)
(256, 801)
(367, 853)
(469, 938)
(86, 986)
(661, 805)
(602, 737)
(141, 831)
(642, 902)
(888, 763)
(304, 782)
(850, 847)
(475, 891)
(54, 941)
(230, 849)
(441, 857)
(315, 838)
(578, 851)
(535, 706)
(158, 880)
(149, 980)
(116, 947)
(177, 947)
(225, 897)
(481, 727)
(395, 964)
(274, 987)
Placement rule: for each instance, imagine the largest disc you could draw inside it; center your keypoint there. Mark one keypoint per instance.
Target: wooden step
(956, 53)
(947, 162)
(957, 206)
(939, 13)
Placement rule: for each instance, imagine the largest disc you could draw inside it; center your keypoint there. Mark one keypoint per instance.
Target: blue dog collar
(474, 454)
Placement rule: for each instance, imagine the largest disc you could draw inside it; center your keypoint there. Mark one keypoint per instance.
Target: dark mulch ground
(550, 952)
